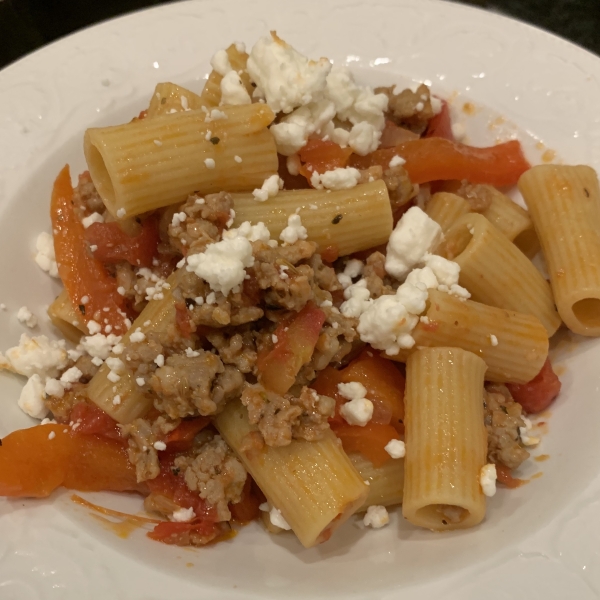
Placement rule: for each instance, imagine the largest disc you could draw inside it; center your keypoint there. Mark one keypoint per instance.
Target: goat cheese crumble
(45, 257)
(270, 187)
(294, 231)
(359, 410)
(396, 448)
(487, 479)
(376, 517)
(223, 264)
(25, 316)
(336, 179)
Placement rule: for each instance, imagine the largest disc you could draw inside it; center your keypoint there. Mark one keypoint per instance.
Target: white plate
(539, 541)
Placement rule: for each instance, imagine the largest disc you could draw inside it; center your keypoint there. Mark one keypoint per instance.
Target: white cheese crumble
(37, 356)
(359, 410)
(294, 231)
(94, 327)
(222, 265)
(45, 257)
(31, 400)
(220, 62)
(160, 446)
(253, 233)
(93, 218)
(209, 163)
(99, 345)
(233, 91)
(51, 435)
(25, 316)
(336, 179)
(493, 340)
(458, 131)
(396, 448)
(376, 517)
(140, 381)
(415, 235)
(183, 515)
(54, 387)
(121, 213)
(238, 159)
(285, 77)
(72, 375)
(160, 360)
(275, 516)
(396, 161)
(178, 218)
(292, 132)
(270, 187)
(137, 336)
(487, 479)
(358, 299)
(293, 164)
(524, 434)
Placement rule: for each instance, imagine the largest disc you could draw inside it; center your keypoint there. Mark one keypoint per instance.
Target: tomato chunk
(321, 156)
(114, 245)
(82, 274)
(92, 420)
(296, 341)
(384, 383)
(182, 437)
(186, 534)
(36, 461)
(435, 158)
(505, 477)
(369, 440)
(441, 125)
(537, 395)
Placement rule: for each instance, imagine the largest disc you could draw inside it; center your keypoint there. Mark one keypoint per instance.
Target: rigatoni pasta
(446, 441)
(345, 220)
(169, 98)
(564, 202)
(386, 483)
(513, 345)
(155, 162)
(445, 208)
(64, 316)
(313, 484)
(491, 268)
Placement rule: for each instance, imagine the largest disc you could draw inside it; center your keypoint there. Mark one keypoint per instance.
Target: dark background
(28, 24)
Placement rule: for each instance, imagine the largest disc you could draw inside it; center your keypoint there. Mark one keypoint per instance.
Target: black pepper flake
(337, 219)
(175, 470)
(444, 522)
(190, 303)
(253, 84)
(138, 220)
(587, 193)
(163, 100)
(214, 140)
(82, 309)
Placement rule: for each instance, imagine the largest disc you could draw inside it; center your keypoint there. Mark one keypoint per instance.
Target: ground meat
(87, 367)
(236, 309)
(238, 349)
(192, 385)
(143, 353)
(141, 439)
(378, 283)
(324, 276)
(61, 407)
(205, 219)
(86, 198)
(503, 417)
(400, 189)
(293, 254)
(408, 109)
(216, 474)
(283, 418)
(479, 196)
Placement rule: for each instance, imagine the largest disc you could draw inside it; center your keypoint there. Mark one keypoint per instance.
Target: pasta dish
(292, 298)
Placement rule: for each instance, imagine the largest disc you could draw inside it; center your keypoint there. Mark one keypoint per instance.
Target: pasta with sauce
(251, 285)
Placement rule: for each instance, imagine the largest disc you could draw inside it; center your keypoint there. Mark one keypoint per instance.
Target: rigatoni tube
(169, 98)
(63, 315)
(386, 483)
(345, 220)
(446, 440)
(513, 345)
(496, 272)
(564, 203)
(155, 162)
(445, 208)
(313, 484)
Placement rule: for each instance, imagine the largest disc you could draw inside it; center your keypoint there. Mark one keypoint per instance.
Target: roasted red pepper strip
(114, 245)
(434, 158)
(441, 125)
(537, 395)
(83, 275)
(36, 461)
